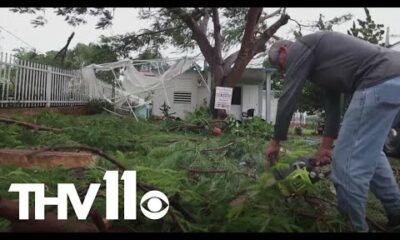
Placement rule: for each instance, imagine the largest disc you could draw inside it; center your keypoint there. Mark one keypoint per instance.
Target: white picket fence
(29, 84)
(300, 118)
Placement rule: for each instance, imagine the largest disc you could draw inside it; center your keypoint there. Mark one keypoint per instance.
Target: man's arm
(300, 62)
(332, 113)
(332, 123)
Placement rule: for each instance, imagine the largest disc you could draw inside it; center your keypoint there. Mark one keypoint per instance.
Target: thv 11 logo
(68, 191)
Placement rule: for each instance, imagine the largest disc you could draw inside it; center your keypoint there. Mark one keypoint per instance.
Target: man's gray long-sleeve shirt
(336, 62)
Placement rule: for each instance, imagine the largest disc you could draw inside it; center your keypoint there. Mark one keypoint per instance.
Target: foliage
(368, 30)
(311, 99)
(73, 16)
(164, 160)
(201, 116)
(189, 28)
(255, 127)
(165, 110)
(322, 25)
(277, 78)
(81, 55)
(96, 106)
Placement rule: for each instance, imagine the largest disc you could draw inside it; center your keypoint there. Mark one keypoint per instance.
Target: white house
(187, 92)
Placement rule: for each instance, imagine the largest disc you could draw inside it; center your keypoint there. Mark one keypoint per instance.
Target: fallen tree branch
(186, 127)
(372, 222)
(80, 147)
(208, 171)
(10, 209)
(199, 171)
(172, 214)
(141, 185)
(376, 225)
(30, 125)
(63, 52)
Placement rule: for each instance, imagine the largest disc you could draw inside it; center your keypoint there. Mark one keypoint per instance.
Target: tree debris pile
(214, 184)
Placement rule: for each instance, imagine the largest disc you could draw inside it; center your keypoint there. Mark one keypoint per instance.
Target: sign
(223, 98)
(67, 191)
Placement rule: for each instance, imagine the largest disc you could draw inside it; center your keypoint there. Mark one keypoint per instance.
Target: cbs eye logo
(155, 200)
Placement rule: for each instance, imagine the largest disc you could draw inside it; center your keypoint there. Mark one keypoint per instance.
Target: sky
(54, 34)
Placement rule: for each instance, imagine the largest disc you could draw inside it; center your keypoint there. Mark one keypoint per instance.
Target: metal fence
(29, 84)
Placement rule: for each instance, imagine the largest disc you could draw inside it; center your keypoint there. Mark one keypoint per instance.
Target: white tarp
(133, 81)
(136, 82)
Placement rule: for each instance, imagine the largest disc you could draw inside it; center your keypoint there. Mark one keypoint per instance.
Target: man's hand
(272, 152)
(323, 155)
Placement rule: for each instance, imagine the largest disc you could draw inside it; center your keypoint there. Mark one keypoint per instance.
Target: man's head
(278, 53)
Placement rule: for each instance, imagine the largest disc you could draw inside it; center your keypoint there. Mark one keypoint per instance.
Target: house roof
(253, 76)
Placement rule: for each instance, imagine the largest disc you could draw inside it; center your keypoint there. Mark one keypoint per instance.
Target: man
(339, 63)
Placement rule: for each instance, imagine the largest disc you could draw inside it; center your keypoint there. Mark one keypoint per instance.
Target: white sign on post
(223, 98)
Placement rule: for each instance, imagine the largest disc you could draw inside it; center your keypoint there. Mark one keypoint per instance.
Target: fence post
(48, 86)
(268, 99)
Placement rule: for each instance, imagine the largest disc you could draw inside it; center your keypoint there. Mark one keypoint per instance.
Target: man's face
(282, 58)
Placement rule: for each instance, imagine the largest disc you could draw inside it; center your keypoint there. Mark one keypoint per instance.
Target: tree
(322, 25)
(76, 58)
(149, 54)
(189, 27)
(79, 56)
(311, 98)
(368, 30)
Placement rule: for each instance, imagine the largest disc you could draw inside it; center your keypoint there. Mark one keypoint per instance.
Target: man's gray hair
(274, 50)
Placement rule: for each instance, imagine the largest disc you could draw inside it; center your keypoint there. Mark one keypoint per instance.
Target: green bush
(201, 116)
(255, 127)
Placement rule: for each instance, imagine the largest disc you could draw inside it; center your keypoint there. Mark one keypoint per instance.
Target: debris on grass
(214, 184)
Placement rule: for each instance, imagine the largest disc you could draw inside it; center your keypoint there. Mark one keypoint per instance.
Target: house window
(237, 96)
(183, 97)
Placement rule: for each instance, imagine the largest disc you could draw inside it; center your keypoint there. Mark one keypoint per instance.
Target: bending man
(339, 63)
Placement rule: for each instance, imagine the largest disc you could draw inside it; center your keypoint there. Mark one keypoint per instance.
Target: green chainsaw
(298, 176)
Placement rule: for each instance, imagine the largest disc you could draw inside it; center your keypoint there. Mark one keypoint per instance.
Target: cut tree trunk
(45, 159)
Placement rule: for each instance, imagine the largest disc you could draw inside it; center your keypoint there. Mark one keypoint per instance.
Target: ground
(220, 180)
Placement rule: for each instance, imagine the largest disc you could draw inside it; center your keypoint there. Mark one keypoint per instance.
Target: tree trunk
(223, 74)
(217, 76)
(212, 103)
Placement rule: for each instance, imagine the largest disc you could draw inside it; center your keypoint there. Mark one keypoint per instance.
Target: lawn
(220, 181)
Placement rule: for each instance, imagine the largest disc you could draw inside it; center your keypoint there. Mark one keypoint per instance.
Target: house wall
(191, 82)
(250, 99)
(188, 83)
(203, 96)
(250, 95)
(274, 106)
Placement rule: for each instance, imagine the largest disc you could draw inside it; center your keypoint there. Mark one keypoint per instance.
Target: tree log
(30, 125)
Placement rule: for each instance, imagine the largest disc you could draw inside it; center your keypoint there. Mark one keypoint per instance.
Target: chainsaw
(298, 176)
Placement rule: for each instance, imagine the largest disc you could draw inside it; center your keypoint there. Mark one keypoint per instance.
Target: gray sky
(54, 34)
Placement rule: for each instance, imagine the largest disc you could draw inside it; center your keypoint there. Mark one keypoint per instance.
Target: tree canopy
(368, 30)
(77, 57)
(212, 30)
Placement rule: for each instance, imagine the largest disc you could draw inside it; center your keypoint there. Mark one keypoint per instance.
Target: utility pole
(387, 37)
